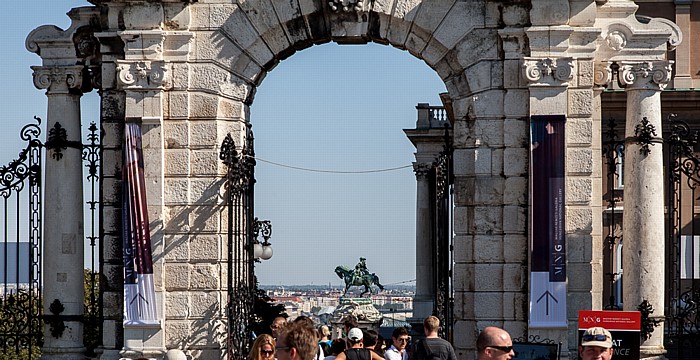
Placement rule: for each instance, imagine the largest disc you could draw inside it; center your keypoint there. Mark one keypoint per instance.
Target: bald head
(491, 336)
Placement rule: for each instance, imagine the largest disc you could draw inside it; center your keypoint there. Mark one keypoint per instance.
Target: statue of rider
(360, 271)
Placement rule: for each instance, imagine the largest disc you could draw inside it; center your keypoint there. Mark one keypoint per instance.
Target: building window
(620, 167)
(690, 257)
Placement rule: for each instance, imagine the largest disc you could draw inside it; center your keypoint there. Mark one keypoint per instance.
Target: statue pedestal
(368, 317)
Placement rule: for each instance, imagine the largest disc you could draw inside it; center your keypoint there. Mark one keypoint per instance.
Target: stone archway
(187, 72)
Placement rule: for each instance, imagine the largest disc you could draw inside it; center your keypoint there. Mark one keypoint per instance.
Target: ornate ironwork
(613, 148)
(240, 182)
(535, 339)
(648, 323)
(645, 133)
(58, 141)
(20, 295)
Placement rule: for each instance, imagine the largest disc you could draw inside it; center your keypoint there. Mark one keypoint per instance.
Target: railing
(431, 117)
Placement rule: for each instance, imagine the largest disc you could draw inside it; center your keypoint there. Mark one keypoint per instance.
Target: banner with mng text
(139, 290)
(547, 241)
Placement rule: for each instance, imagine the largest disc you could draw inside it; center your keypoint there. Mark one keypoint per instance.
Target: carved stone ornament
(348, 5)
(421, 169)
(549, 71)
(58, 78)
(646, 75)
(148, 75)
(602, 75)
(616, 40)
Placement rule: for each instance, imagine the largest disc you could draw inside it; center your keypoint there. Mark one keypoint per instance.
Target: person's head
(400, 338)
(305, 320)
(338, 345)
(431, 324)
(296, 341)
(369, 338)
(494, 343)
(355, 337)
(380, 346)
(349, 323)
(324, 331)
(596, 344)
(263, 348)
(276, 325)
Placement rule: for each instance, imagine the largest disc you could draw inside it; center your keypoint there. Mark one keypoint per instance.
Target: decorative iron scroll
(240, 181)
(535, 339)
(442, 181)
(648, 323)
(645, 133)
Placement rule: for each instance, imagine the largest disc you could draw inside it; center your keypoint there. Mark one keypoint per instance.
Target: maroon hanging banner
(548, 247)
(139, 290)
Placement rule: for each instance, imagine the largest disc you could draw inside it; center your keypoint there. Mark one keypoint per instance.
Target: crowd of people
(300, 340)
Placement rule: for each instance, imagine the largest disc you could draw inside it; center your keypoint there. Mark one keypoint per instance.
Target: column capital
(58, 79)
(645, 75)
(548, 71)
(142, 75)
(421, 169)
(602, 73)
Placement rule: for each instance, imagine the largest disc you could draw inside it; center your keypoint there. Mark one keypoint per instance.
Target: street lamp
(262, 250)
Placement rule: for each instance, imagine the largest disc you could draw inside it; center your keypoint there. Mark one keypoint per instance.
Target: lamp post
(262, 250)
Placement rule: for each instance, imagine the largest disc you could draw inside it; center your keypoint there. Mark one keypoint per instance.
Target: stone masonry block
(463, 248)
(579, 131)
(176, 305)
(515, 248)
(177, 276)
(205, 162)
(405, 10)
(514, 219)
(548, 100)
(177, 248)
(112, 136)
(476, 46)
(205, 219)
(515, 161)
(112, 193)
(515, 305)
(203, 134)
(462, 18)
(578, 219)
(585, 73)
(177, 162)
(203, 106)
(488, 220)
(464, 277)
(488, 277)
(488, 132)
(489, 248)
(580, 103)
(176, 191)
(111, 162)
(462, 133)
(550, 12)
(585, 277)
(516, 103)
(205, 277)
(206, 191)
(205, 248)
(464, 308)
(229, 109)
(204, 303)
(579, 161)
(472, 161)
(515, 191)
(489, 104)
(176, 219)
(497, 162)
(488, 305)
(469, 328)
(515, 277)
(464, 190)
(479, 76)
(579, 248)
(178, 105)
(177, 334)
(489, 190)
(175, 134)
(578, 190)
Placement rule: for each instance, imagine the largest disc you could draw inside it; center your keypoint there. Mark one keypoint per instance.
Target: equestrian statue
(359, 276)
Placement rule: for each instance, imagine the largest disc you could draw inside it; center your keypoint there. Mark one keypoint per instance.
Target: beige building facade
(186, 72)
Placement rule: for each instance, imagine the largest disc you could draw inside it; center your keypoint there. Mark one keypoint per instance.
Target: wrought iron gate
(240, 181)
(20, 301)
(683, 242)
(441, 180)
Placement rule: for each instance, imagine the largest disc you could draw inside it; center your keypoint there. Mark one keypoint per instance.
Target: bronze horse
(351, 280)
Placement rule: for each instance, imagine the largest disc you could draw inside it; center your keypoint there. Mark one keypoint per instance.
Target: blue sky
(329, 107)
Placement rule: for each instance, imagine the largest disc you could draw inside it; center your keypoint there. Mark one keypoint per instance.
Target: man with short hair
(596, 344)
(397, 351)
(357, 350)
(369, 339)
(296, 341)
(494, 343)
(432, 347)
(276, 325)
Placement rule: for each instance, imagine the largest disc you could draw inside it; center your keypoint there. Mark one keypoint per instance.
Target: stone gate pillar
(63, 288)
(643, 214)
(423, 301)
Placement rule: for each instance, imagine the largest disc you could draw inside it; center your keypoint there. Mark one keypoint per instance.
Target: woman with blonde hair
(263, 348)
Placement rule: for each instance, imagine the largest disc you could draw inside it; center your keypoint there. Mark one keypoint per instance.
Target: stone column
(423, 300)
(643, 214)
(63, 288)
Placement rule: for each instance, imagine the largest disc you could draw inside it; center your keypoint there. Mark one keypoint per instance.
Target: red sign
(624, 326)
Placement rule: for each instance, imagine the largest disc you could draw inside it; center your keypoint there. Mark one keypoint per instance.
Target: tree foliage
(265, 311)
